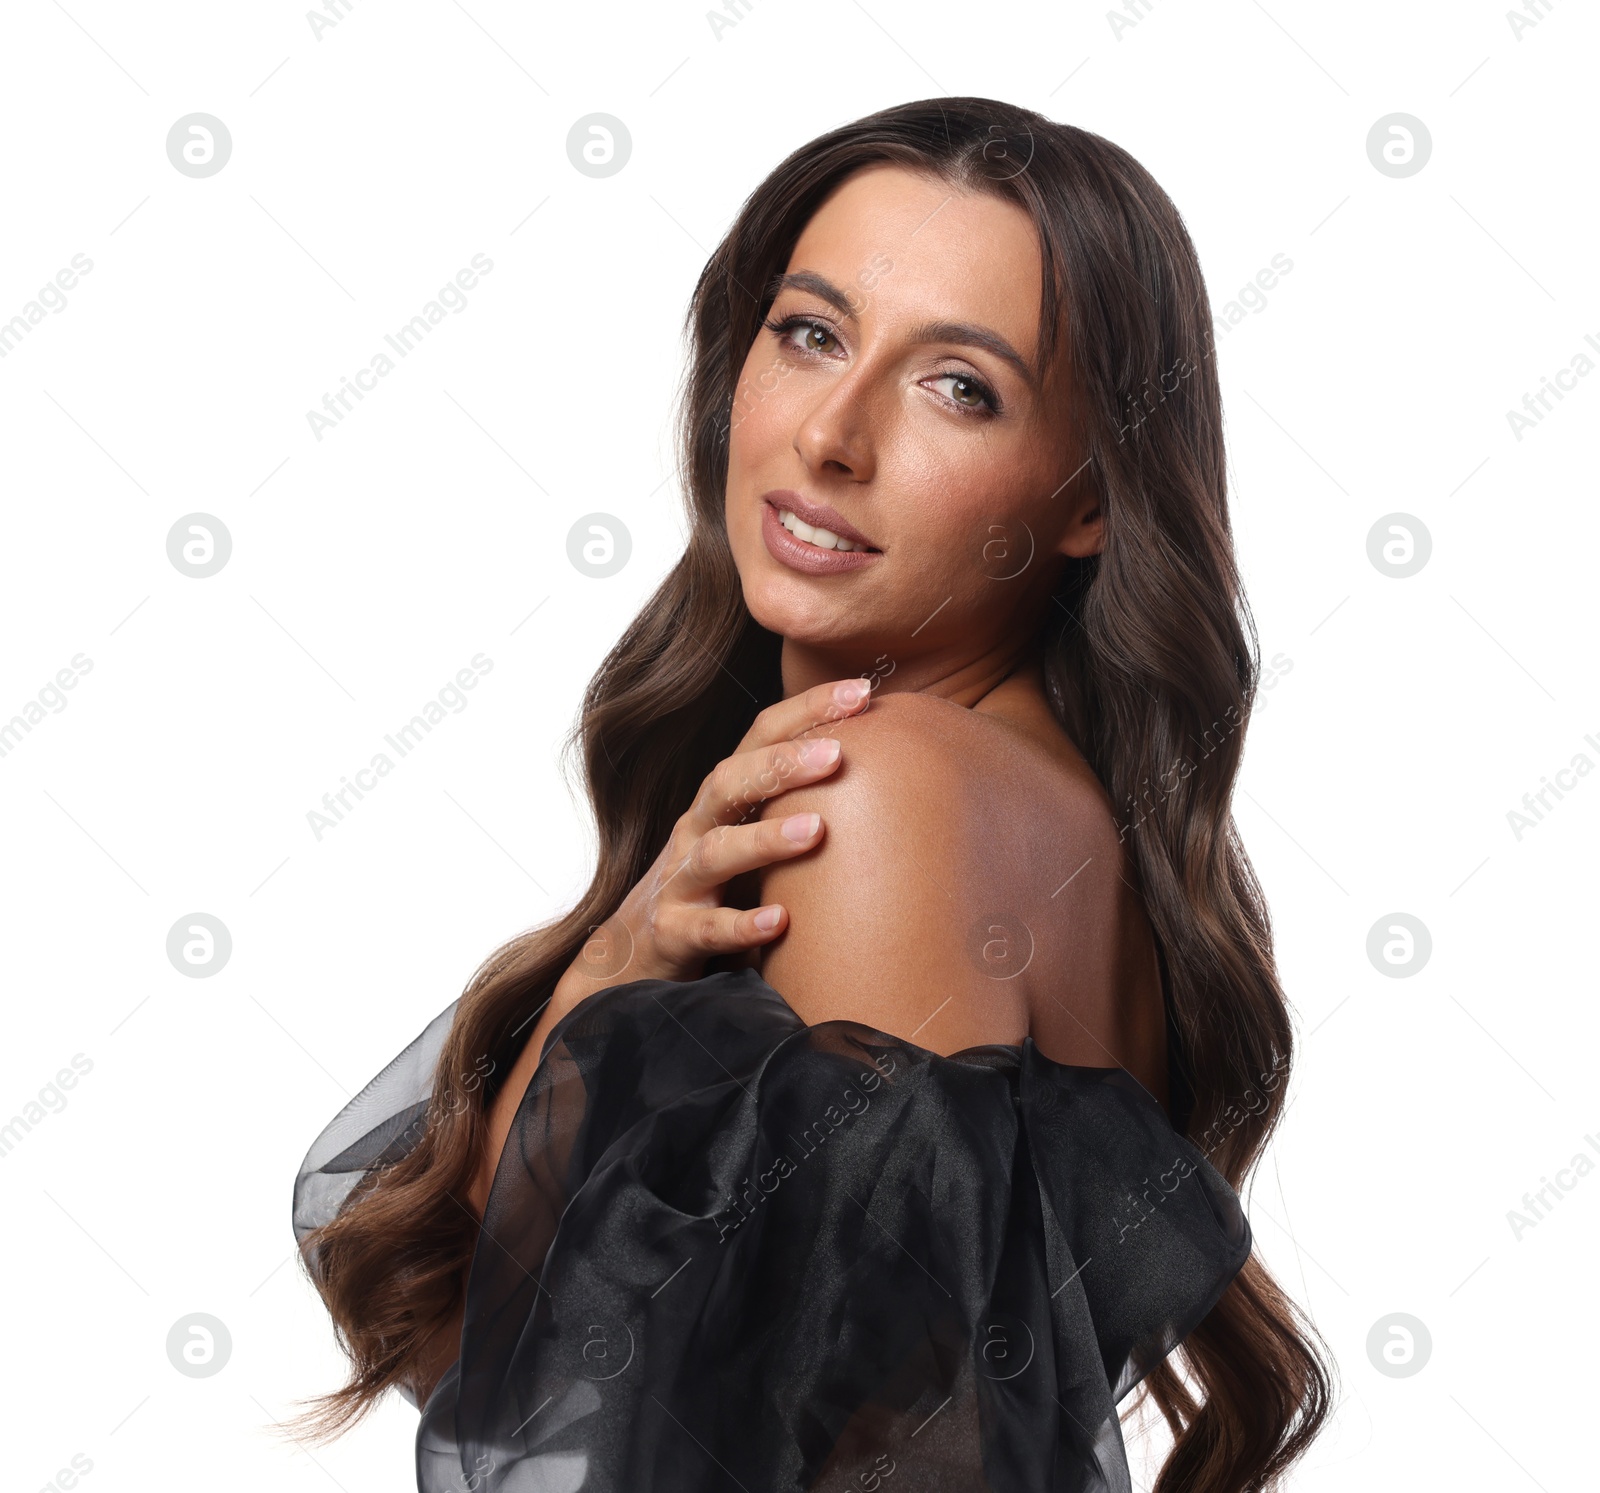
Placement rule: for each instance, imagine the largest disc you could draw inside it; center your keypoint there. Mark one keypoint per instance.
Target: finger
(730, 850)
(739, 784)
(818, 706)
(779, 751)
(689, 934)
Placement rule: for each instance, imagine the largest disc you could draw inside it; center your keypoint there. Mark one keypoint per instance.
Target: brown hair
(1152, 663)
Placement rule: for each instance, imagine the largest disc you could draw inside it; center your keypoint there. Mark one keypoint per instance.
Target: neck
(973, 680)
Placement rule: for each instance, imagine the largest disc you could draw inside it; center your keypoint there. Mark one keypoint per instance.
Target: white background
(368, 167)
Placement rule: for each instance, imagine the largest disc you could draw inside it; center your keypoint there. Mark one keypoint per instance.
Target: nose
(835, 436)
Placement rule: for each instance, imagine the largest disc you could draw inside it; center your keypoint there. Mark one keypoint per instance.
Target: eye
(968, 392)
(815, 334)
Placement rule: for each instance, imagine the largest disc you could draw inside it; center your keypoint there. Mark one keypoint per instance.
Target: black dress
(725, 1250)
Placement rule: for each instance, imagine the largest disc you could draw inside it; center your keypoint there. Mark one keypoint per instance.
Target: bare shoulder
(971, 886)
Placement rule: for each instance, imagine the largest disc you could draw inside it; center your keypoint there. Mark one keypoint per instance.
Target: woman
(877, 1113)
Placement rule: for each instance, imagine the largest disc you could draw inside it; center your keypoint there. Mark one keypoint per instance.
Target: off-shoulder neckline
(979, 1052)
(750, 975)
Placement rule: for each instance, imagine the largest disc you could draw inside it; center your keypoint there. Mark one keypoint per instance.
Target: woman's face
(894, 390)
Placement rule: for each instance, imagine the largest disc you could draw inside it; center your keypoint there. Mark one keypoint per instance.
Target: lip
(818, 515)
(796, 553)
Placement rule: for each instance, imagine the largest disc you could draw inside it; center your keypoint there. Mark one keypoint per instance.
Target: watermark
(460, 1100)
(607, 950)
(1398, 945)
(50, 699)
(749, 1196)
(1235, 1114)
(1279, 666)
(199, 145)
(70, 1476)
(1007, 152)
(50, 1100)
(599, 1353)
(1539, 1204)
(333, 11)
(451, 700)
(1399, 1345)
(599, 145)
(998, 945)
(469, 1482)
(1001, 1357)
(1004, 554)
(1147, 399)
(405, 340)
(598, 545)
(1399, 545)
(1555, 386)
(874, 1476)
(199, 1345)
(1249, 300)
(1399, 145)
(1251, 297)
(199, 545)
(199, 945)
(728, 17)
(1143, 1204)
(1133, 11)
(882, 667)
(50, 297)
(1533, 11)
(1538, 804)
(1173, 777)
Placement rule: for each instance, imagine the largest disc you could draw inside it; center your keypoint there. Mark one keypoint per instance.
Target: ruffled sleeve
(379, 1125)
(374, 1129)
(727, 1249)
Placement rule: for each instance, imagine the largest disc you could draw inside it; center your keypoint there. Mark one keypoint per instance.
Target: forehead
(951, 255)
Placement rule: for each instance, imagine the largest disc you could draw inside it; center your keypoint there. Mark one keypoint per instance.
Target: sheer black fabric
(725, 1249)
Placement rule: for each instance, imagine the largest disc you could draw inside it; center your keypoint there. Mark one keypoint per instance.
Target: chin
(781, 615)
(779, 601)
(784, 601)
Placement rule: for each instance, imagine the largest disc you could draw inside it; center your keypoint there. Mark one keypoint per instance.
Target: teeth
(823, 538)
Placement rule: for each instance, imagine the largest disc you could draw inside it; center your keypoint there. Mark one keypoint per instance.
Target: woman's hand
(673, 920)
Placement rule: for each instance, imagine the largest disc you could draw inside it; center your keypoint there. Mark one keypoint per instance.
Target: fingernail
(851, 691)
(801, 827)
(819, 753)
(767, 919)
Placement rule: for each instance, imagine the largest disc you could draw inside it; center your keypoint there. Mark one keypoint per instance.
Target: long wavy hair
(1152, 663)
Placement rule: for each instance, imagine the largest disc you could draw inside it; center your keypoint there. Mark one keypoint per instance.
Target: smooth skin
(965, 881)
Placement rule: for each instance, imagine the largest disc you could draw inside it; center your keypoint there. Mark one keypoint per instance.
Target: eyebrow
(964, 333)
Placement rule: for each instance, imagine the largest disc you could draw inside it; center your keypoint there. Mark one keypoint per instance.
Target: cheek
(984, 507)
(1007, 479)
(959, 478)
(765, 375)
(756, 421)
(750, 422)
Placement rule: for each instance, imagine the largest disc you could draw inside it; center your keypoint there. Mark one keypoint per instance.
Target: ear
(1085, 532)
